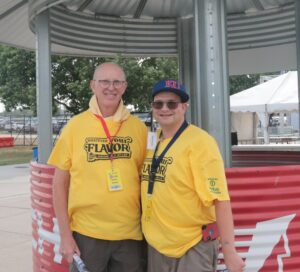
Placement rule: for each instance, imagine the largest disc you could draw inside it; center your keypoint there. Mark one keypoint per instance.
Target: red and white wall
(266, 210)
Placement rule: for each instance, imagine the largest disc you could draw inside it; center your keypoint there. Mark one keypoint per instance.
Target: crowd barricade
(266, 211)
(6, 141)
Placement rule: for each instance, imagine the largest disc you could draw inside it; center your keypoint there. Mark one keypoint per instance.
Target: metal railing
(24, 128)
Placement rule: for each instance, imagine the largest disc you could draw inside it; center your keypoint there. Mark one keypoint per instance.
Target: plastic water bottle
(79, 264)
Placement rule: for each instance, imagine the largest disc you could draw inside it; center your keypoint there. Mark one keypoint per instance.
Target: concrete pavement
(15, 219)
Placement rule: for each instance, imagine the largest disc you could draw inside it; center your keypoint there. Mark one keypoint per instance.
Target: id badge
(152, 140)
(114, 180)
(148, 210)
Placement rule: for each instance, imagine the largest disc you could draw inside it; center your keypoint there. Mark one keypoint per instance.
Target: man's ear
(186, 106)
(124, 87)
(92, 85)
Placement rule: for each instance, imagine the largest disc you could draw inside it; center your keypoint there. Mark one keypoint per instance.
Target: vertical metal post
(199, 73)
(44, 97)
(10, 123)
(212, 71)
(297, 15)
(24, 132)
(185, 43)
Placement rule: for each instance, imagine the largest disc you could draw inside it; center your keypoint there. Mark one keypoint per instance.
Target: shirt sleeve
(61, 154)
(208, 172)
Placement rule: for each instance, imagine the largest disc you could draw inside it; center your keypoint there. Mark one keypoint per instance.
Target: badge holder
(210, 232)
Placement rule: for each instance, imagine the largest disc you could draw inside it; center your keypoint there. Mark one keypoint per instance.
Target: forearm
(225, 225)
(61, 183)
(233, 261)
(60, 201)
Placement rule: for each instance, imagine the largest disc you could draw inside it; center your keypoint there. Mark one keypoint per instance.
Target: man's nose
(111, 85)
(165, 107)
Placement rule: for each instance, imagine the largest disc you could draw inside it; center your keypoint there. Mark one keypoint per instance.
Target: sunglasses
(171, 105)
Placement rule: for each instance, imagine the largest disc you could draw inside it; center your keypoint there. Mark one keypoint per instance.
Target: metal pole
(185, 29)
(196, 111)
(44, 97)
(297, 15)
(212, 71)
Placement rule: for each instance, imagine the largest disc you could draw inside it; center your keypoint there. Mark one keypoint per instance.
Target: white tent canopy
(276, 95)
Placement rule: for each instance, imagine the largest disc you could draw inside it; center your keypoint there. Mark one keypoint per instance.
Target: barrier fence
(6, 141)
(266, 210)
(23, 129)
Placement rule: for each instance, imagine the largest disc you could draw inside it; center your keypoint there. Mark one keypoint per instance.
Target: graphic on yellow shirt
(161, 170)
(100, 148)
(213, 185)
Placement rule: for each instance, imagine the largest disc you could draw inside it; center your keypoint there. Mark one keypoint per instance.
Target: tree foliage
(141, 76)
(17, 78)
(71, 77)
(242, 82)
(70, 82)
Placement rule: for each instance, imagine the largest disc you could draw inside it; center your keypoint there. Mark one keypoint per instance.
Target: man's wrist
(228, 248)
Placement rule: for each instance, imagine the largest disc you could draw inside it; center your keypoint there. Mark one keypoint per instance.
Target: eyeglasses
(104, 83)
(171, 105)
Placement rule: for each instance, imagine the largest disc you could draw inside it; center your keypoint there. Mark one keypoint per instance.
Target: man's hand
(61, 184)
(234, 262)
(68, 247)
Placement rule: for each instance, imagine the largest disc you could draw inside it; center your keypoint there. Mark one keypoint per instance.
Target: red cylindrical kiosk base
(266, 211)
(45, 233)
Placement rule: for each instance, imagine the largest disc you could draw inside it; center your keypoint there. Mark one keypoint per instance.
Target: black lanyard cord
(156, 161)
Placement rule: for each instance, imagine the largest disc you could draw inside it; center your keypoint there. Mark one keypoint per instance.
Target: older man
(96, 187)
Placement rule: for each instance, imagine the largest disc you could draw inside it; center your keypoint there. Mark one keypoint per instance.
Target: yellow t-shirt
(83, 150)
(188, 180)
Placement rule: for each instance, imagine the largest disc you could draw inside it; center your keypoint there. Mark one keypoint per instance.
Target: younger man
(184, 192)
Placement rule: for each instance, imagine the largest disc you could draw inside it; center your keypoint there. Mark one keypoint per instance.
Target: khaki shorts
(200, 258)
(109, 256)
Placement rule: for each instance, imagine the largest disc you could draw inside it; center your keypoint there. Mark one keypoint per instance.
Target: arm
(233, 261)
(61, 182)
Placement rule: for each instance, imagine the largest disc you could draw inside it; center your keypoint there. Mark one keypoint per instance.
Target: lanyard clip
(152, 176)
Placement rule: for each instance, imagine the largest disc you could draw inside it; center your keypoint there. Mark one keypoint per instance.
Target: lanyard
(108, 136)
(156, 161)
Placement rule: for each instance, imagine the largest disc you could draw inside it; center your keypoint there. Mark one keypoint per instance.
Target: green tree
(71, 77)
(241, 82)
(142, 73)
(17, 78)
(70, 81)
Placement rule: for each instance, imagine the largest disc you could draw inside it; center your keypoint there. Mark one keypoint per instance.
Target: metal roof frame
(237, 36)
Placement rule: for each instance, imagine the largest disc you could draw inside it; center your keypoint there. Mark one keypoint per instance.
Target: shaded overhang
(261, 33)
